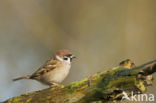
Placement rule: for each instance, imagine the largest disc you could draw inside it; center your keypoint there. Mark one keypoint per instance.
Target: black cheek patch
(70, 59)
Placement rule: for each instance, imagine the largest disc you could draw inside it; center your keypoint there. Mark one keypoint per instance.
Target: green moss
(126, 82)
(76, 84)
(99, 86)
(15, 100)
(140, 85)
(71, 87)
(28, 100)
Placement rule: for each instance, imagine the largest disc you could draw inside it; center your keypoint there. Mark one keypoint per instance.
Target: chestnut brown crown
(63, 52)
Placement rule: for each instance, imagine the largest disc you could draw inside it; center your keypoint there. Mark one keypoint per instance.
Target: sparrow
(54, 71)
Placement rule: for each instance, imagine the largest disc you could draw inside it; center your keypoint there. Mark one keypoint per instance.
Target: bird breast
(58, 74)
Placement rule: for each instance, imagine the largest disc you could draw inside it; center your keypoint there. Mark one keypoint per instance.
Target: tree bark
(105, 86)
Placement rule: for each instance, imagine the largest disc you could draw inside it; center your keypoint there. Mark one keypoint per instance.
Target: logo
(139, 97)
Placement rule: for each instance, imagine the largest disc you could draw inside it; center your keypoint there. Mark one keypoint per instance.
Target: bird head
(65, 55)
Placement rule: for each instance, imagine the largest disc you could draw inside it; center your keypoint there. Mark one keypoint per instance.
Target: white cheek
(67, 61)
(60, 59)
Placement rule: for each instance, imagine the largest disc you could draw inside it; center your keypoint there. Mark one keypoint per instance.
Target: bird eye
(65, 58)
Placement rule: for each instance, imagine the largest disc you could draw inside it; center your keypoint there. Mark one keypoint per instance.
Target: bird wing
(48, 66)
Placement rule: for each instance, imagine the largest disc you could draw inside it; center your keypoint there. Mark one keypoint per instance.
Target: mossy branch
(105, 86)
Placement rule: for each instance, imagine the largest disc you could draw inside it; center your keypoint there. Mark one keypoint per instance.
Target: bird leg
(53, 84)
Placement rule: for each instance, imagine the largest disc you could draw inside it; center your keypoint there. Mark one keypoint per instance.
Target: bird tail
(23, 77)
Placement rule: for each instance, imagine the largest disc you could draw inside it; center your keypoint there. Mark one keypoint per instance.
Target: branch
(104, 86)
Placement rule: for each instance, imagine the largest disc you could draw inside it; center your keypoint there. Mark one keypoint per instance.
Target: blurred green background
(101, 33)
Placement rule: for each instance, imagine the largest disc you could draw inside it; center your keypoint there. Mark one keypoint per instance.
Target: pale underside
(56, 75)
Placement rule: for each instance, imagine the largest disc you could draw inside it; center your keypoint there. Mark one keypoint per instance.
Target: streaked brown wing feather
(48, 66)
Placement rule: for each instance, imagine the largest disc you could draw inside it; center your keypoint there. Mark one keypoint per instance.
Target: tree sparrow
(54, 71)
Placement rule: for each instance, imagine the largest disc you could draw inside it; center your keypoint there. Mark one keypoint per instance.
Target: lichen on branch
(104, 86)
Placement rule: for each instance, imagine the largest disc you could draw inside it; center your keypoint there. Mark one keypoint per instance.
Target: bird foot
(55, 85)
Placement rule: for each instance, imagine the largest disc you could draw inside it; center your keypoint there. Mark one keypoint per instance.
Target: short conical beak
(72, 56)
